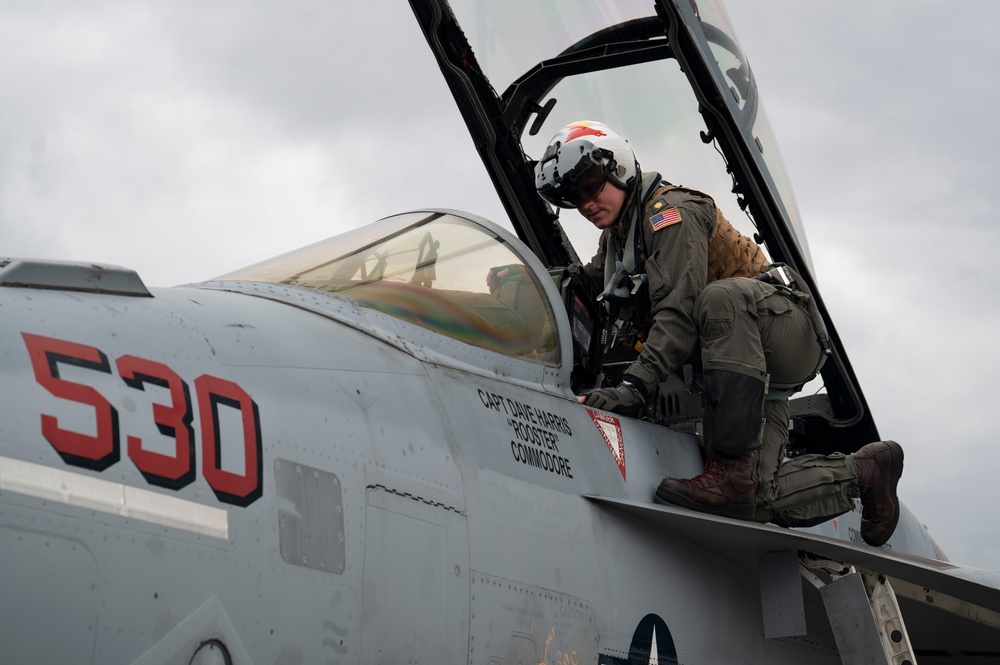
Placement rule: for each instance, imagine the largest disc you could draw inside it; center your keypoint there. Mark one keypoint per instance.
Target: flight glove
(626, 399)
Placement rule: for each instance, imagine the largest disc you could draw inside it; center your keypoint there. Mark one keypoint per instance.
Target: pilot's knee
(715, 309)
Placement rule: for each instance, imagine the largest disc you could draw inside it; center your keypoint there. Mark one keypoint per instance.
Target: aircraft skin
(367, 490)
(432, 507)
(253, 472)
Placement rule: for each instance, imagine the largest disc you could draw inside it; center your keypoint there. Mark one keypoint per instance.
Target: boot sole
(669, 497)
(897, 473)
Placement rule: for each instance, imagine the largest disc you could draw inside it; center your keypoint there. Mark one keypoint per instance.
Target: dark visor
(577, 187)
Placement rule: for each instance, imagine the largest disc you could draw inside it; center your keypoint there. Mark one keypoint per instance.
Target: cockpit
(436, 270)
(464, 288)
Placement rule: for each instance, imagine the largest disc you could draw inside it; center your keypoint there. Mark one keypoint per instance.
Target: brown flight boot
(880, 465)
(726, 487)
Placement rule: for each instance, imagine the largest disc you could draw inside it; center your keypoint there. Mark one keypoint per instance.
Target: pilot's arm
(677, 269)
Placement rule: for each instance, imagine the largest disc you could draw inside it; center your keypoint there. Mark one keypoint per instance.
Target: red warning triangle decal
(611, 429)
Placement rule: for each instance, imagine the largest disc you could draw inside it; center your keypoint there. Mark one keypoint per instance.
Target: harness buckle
(779, 276)
(622, 286)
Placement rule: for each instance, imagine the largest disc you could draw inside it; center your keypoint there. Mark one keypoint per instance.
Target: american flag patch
(665, 218)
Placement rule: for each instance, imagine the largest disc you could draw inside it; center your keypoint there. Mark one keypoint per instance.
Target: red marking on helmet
(577, 131)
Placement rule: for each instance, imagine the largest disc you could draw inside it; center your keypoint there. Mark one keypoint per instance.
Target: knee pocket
(715, 316)
(715, 326)
(716, 309)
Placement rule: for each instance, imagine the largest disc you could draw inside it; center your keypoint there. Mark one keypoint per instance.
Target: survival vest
(732, 254)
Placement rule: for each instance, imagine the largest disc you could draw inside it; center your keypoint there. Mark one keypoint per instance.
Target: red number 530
(173, 471)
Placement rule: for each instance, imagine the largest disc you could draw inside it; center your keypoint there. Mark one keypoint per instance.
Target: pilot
(692, 286)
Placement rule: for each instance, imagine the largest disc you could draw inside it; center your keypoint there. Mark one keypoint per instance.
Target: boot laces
(715, 471)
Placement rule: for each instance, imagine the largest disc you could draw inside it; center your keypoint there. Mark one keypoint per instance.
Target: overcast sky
(186, 140)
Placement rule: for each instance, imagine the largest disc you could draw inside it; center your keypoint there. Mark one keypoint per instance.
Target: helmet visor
(576, 187)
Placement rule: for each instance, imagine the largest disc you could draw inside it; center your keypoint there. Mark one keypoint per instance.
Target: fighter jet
(361, 452)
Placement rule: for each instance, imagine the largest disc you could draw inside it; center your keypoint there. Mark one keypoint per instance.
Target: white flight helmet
(579, 159)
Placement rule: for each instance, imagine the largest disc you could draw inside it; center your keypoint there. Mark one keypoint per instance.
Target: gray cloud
(183, 142)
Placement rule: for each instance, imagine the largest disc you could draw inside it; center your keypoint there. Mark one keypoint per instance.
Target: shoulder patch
(665, 218)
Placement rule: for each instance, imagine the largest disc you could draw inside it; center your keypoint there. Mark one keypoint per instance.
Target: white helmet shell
(579, 159)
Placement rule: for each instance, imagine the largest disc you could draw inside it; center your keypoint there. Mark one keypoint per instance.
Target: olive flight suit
(702, 290)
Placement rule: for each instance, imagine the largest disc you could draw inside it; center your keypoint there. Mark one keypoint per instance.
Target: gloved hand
(625, 399)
